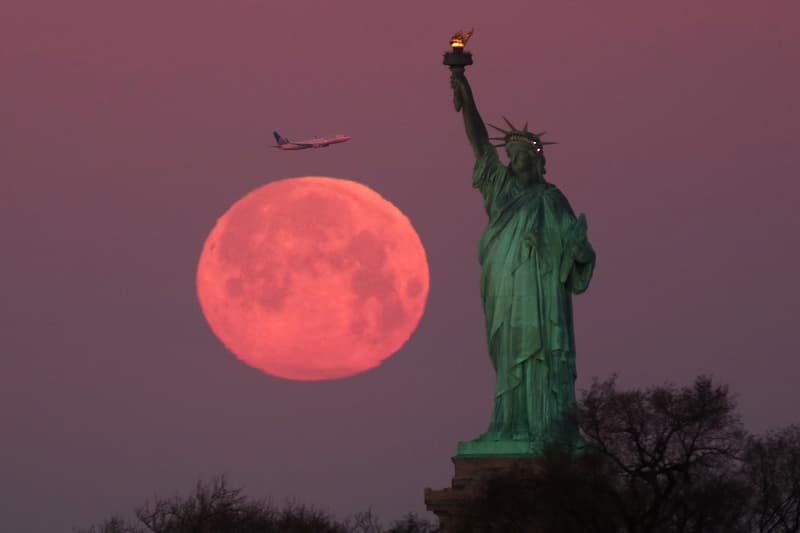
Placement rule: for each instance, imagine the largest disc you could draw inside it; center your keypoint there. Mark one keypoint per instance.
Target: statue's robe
(528, 274)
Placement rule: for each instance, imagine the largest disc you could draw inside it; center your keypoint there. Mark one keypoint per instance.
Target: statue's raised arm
(465, 103)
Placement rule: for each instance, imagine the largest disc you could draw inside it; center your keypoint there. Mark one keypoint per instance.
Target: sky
(129, 127)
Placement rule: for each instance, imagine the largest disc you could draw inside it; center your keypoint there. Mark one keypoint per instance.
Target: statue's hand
(583, 252)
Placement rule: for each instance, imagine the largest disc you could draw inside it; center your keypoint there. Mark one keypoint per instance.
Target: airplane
(316, 142)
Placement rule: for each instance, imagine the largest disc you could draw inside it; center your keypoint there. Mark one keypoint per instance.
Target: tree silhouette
(215, 507)
(672, 454)
(772, 468)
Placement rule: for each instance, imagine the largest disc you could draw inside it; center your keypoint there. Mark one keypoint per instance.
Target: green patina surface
(534, 256)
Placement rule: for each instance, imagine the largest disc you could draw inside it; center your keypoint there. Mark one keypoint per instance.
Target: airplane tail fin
(280, 139)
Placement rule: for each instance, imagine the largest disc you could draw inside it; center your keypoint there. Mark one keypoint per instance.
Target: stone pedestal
(471, 473)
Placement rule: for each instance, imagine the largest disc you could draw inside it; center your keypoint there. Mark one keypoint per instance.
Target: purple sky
(129, 127)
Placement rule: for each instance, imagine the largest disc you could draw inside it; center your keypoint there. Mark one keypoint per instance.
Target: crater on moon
(313, 278)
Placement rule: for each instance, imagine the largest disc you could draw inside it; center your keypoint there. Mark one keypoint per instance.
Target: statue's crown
(517, 135)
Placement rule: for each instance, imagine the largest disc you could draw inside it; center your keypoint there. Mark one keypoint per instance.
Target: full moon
(313, 278)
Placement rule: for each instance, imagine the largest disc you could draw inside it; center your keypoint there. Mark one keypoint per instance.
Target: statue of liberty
(534, 255)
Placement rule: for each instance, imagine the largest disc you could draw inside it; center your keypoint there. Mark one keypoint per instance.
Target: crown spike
(510, 125)
(525, 127)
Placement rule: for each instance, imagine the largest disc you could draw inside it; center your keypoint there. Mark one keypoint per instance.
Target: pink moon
(313, 278)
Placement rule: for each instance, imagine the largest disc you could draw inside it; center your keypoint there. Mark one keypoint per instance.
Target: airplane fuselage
(316, 142)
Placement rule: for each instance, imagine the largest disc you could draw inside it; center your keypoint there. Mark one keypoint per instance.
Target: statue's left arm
(578, 256)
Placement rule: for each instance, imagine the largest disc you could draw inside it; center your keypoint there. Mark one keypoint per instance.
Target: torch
(458, 58)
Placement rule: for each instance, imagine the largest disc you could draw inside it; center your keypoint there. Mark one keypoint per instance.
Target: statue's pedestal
(451, 504)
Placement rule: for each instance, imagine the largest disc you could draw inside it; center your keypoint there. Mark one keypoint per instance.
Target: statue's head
(525, 151)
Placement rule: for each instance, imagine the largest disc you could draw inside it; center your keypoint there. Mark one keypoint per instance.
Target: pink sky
(128, 128)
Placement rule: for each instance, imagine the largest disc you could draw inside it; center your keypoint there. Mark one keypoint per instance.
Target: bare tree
(772, 466)
(674, 453)
(212, 507)
(364, 522)
(411, 523)
(216, 508)
(115, 524)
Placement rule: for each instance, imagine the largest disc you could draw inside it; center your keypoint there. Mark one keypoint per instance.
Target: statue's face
(524, 161)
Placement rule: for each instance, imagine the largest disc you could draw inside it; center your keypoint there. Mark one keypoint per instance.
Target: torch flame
(459, 40)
